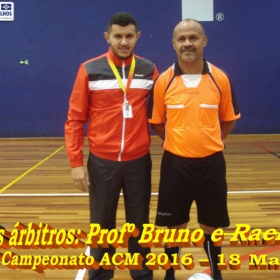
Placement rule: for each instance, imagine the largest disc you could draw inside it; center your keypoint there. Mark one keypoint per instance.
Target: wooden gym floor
(35, 186)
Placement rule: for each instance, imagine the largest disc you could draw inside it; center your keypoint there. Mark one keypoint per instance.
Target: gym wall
(42, 48)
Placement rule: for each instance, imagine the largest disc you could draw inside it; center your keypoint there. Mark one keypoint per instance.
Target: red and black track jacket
(98, 99)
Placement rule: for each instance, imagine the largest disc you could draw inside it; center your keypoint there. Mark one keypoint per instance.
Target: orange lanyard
(117, 75)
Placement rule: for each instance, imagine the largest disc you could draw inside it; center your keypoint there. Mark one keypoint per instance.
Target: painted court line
(121, 194)
(81, 272)
(29, 170)
(266, 149)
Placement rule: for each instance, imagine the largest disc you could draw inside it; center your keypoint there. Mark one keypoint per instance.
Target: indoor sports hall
(42, 45)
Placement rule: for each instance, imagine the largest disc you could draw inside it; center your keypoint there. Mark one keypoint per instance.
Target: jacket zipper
(123, 122)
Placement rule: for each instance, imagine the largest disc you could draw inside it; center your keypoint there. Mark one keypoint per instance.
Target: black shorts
(184, 180)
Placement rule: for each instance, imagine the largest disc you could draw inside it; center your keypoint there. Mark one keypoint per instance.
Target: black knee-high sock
(212, 253)
(169, 251)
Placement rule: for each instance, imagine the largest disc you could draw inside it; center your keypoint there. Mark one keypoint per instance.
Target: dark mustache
(188, 49)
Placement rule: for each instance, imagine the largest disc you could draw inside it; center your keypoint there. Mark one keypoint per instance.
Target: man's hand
(159, 129)
(226, 128)
(80, 178)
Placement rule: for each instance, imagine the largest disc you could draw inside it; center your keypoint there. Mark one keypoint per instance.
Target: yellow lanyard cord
(117, 75)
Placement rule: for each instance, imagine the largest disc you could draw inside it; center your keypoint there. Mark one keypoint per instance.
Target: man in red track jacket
(110, 94)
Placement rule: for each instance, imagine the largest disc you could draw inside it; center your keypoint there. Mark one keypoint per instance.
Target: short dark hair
(122, 19)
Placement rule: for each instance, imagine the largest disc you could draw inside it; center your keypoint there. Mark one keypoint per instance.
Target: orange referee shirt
(191, 107)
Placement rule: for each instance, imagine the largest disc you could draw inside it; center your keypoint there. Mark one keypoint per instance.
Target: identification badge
(127, 111)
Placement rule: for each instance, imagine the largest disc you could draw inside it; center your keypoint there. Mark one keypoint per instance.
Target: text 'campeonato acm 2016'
(44, 236)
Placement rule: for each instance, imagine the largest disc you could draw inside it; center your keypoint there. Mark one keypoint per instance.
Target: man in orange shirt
(110, 93)
(193, 109)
